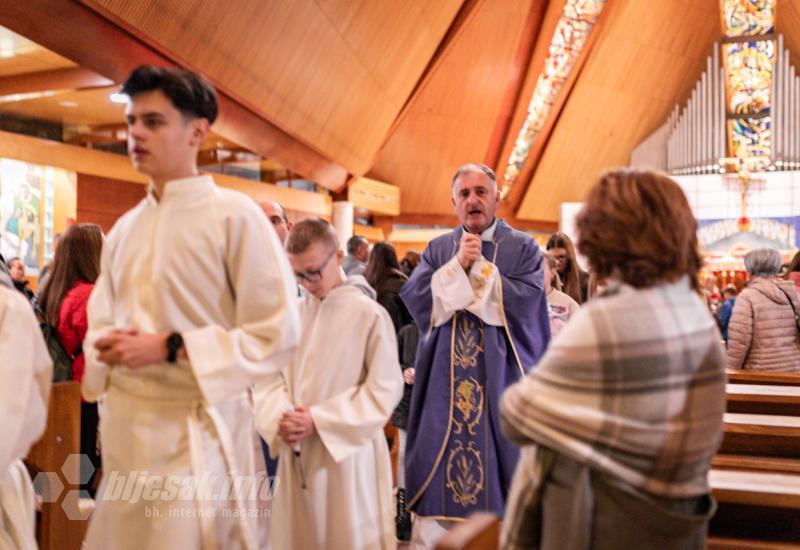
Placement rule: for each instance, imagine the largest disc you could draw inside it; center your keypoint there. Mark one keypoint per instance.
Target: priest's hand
(408, 376)
(131, 348)
(469, 250)
(296, 425)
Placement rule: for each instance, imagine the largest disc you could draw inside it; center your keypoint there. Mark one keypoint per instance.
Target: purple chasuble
(457, 460)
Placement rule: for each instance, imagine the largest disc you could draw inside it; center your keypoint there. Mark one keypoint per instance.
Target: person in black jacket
(384, 275)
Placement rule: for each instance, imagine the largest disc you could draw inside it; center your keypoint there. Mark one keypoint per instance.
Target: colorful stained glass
(748, 17)
(750, 137)
(571, 33)
(748, 70)
(749, 66)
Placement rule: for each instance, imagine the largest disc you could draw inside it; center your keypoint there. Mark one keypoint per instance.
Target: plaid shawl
(634, 387)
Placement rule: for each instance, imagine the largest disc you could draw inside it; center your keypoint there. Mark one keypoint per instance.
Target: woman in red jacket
(63, 300)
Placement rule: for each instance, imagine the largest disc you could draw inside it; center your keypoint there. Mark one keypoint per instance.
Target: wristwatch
(174, 345)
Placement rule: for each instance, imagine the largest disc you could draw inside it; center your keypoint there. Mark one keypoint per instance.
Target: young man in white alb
(195, 302)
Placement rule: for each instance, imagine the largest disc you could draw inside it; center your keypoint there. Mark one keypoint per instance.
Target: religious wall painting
(726, 238)
(27, 211)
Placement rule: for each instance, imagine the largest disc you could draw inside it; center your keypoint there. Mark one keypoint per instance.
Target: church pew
(763, 377)
(762, 399)
(727, 543)
(756, 463)
(481, 531)
(755, 506)
(62, 437)
(761, 435)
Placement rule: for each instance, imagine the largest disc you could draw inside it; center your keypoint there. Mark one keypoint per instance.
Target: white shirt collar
(182, 185)
(488, 233)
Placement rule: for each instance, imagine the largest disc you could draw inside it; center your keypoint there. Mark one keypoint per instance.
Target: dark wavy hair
(382, 266)
(77, 257)
(637, 225)
(188, 92)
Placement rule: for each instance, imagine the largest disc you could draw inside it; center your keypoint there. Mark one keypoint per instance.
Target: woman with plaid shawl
(623, 414)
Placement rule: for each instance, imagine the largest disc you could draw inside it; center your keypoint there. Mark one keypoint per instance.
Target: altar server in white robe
(26, 370)
(194, 303)
(337, 394)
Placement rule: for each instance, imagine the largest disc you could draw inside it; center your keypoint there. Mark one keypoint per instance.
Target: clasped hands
(133, 349)
(469, 250)
(296, 425)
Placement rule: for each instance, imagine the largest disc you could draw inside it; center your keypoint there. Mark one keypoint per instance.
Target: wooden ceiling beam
(539, 145)
(53, 24)
(70, 78)
(514, 86)
(464, 13)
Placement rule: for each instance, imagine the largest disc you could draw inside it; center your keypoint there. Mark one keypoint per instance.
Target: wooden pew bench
(763, 378)
(761, 399)
(761, 435)
(61, 438)
(755, 506)
(480, 531)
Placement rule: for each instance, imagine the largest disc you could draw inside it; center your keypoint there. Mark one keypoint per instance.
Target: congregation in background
(576, 390)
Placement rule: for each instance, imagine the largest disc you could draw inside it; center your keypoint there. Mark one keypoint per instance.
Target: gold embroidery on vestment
(467, 345)
(469, 401)
(465, 474)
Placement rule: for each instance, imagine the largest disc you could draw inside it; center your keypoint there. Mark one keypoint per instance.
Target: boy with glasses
(325, 416)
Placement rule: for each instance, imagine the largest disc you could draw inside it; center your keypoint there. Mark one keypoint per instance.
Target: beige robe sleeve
(228, 361)
(100, 312)
(271, 400)
(349, 420)
(27, 370)
(740, 333)
(453, 289)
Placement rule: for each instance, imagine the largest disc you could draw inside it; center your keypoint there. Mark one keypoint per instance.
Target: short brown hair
(637, 225)
(309, 231)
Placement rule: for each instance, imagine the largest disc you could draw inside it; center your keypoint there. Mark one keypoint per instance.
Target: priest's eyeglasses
(314, 275)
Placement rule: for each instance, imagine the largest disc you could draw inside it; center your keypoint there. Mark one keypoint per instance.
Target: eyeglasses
(276, 220)
(314, 275)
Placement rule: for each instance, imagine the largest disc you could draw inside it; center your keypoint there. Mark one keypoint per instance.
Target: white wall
(717, 196)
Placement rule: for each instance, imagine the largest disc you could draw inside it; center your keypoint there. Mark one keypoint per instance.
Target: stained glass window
(750, 75)
(750, 137)
(748, 17)
(572, 31)
(748, 69)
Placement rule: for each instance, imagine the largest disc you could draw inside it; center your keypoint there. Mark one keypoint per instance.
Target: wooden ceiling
(451, 118)
(647, 56)
(406, 91)
(74, 107)
(19, 55)
(333, 73)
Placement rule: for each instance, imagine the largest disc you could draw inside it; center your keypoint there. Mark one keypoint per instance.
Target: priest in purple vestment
(478, 299)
